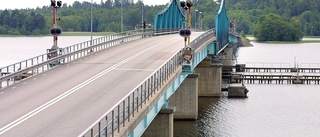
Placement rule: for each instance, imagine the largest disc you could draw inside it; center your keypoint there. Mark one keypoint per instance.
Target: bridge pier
(185, 99)
(227, 56)
(210, 78)
(162, 125)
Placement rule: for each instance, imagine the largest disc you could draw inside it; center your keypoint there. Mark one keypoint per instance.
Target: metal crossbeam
(222, 26)
(170, 19)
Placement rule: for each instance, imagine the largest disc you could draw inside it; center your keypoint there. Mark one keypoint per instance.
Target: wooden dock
(274, 79)
(272, 75)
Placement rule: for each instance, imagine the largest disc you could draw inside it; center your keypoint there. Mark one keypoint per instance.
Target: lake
(16, 49)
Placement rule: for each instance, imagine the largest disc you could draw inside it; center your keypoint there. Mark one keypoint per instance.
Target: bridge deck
(66, 100)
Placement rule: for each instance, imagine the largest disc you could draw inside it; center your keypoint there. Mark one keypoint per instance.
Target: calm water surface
(270, 110)
(16, 49)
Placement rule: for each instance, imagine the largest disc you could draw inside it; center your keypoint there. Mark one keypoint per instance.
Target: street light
(201, 16)
(91, 22)
(142, 7)
(216, 1)
(195, 19)
(121, 16)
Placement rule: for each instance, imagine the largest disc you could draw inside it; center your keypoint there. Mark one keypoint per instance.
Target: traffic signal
(144, 25)
(189, 4)
(59, 3)
(184, 33)
(55, 31)
(182, 4)
(53, 3)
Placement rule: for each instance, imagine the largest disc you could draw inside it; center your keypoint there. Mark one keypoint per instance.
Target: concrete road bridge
(128, 84)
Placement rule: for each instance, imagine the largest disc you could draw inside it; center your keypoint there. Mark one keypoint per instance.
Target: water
(16, 49)
(270, 110)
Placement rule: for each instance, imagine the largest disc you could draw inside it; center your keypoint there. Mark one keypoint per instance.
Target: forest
(75, 17)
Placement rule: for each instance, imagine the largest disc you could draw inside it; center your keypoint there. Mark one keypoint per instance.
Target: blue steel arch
(171, 18)
(222, 26)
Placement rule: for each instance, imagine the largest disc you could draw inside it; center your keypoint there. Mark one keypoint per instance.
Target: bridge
(119, 85)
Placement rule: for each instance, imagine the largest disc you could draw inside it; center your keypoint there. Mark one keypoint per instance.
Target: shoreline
(66, 34)
(306, 39)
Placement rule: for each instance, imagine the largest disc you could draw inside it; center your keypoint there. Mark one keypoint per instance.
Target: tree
(273, 27)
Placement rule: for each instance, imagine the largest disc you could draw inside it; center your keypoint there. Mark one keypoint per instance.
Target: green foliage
(17, 22)
(273, 27)
(76, 18)
(106, 16)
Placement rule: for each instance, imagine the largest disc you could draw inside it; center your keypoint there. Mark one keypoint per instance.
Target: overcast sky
(18, 4)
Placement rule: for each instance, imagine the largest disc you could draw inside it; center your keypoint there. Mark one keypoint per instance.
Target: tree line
(106, 15)
(77, 17)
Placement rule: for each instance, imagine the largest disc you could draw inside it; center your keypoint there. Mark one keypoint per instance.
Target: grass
(311, 36)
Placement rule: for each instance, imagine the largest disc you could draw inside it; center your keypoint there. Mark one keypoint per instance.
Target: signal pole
(189, 4)
(55, 32)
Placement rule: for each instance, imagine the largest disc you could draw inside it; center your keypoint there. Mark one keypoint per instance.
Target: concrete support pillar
(237, 91)
(210, 78)
(227, 56)
(185, 99)
(162, 125)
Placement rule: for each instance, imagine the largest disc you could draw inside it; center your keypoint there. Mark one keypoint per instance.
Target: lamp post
(216, 1)
(91, 22)
(201, 16)
(142, 8)
(195, 19)
(121, 16)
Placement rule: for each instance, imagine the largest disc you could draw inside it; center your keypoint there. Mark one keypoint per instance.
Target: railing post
(137, 100)
(118, 119)
(133, 99)
(141, 92)
(99, 128)
(128, 108)
(124, 112)
(106, 130)
(112, 123)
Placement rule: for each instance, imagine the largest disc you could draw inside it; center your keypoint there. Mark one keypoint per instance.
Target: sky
(23, 4)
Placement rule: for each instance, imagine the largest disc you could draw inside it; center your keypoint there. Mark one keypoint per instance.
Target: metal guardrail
(268, 64)
(120, 114)
(16, 72)
(202, 38)
(166, 31)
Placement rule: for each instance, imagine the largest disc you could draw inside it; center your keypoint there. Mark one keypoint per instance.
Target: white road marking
(72, 90)
(1, 93)
(24, 83)
(134, 69)
(14, 87)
